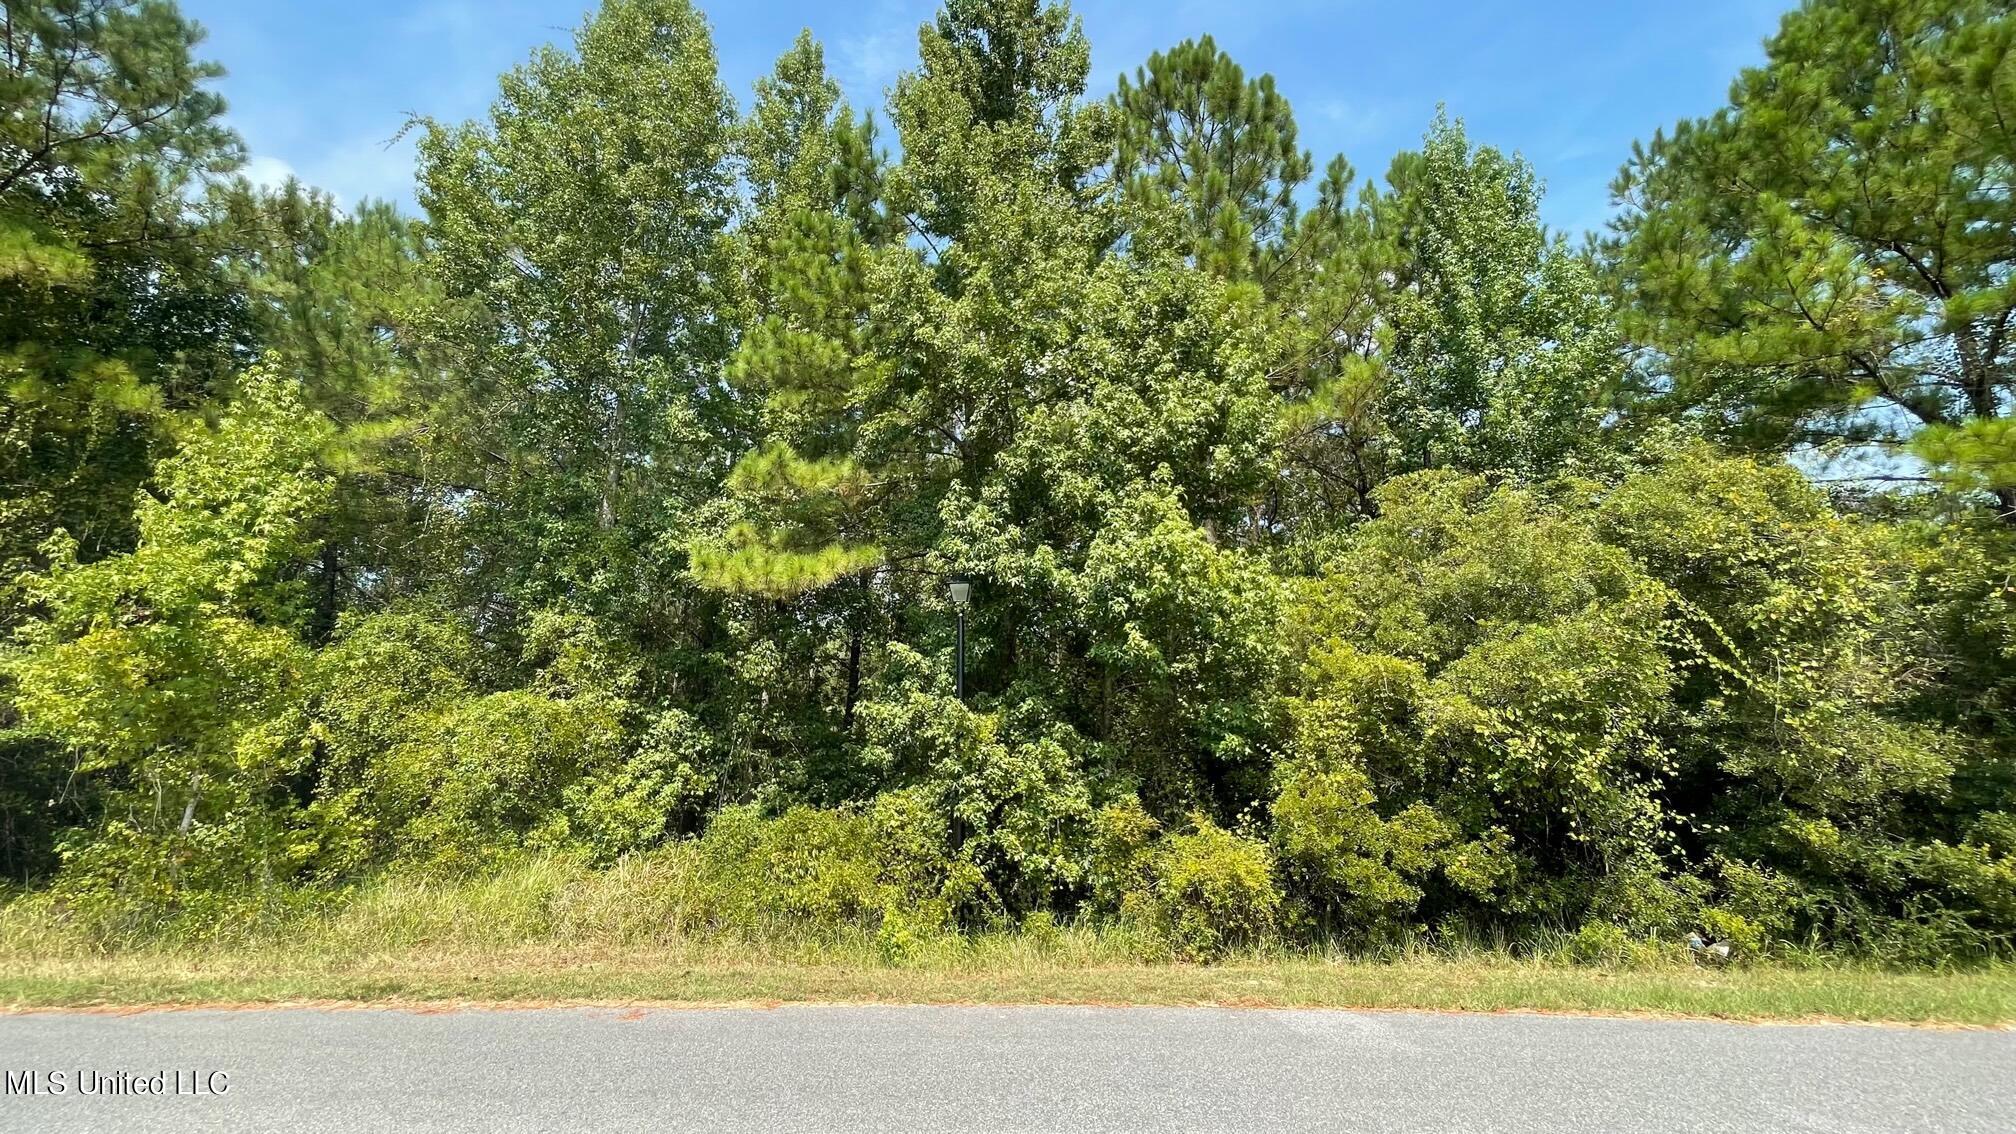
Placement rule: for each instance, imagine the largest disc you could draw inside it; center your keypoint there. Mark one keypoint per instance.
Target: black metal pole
(959, 666)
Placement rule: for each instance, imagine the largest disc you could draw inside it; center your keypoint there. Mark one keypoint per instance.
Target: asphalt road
(987, 1069)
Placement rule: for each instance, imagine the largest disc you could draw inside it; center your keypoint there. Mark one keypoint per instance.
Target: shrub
(659, 784)
(172, 675)
(1478, 702)
(909, 836)
(477, 782)
(1215, 890)
(423, 767)
(1123, 854)
(809, 869)
(1010, 787)
(1183, 633)
(1354, 866)
(1605, 943)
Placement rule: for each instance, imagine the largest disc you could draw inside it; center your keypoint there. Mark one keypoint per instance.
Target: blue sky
(317, 87)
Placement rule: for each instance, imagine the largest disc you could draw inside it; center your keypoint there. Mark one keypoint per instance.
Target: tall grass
(665, 926)
(664, 902)
(675, 901)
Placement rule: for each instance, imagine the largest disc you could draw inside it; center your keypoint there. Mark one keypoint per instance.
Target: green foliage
(582, 548)
(1199, 890)
(1351, 864)
(577, 238)
(1012, 790)
(1504, 354)
(808, 505)
(994, 101)
(1123, 855)
(1183, 634)
(377, 674)
(173, 674)
(1623, 701)
(115, 306)
(807, 865)
(787, 139)
(1492, 664)
(1959, 567)
(1196, 135)
(1977, 455)
(1433, 323)
(424, 768)
(1826, 258)
(651, 792)
(1214, 890)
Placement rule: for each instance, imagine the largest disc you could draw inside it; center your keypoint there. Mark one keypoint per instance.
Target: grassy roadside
(549, 931)
(630, 975)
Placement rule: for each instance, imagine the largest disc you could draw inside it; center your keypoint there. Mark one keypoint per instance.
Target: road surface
(813, 1068)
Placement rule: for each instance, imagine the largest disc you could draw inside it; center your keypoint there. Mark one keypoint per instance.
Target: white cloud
(268, 172)
(879, 44)
(1351, 122)
(365, 166)
(871, 62)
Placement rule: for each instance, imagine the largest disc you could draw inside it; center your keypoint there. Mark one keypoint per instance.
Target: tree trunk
(323, 624)
(853, 679)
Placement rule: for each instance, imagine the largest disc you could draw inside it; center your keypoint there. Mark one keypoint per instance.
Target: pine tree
(797, 514)
(1194, 133)
(335, 299)
(1826, 260)
(115, 309)
(814, 181)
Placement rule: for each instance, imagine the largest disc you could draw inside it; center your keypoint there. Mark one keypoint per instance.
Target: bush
(124, 885)
(1362, 873)
(173, 674)
(488, 776)
(1474, 725)
(1124, 839)
(1010, 789)
(660, 785)
(909, 836)
(424, 767)
(1604, 943)
(1184, 634)
(1215, 890)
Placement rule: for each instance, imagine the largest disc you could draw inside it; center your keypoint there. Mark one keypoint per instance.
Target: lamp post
(961, 593)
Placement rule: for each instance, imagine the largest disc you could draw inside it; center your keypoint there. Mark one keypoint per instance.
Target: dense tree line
(1352, 558)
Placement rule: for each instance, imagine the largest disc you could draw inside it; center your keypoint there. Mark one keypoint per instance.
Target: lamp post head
(960, 591)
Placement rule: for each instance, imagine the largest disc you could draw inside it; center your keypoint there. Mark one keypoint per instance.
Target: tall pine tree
(1828, 258)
